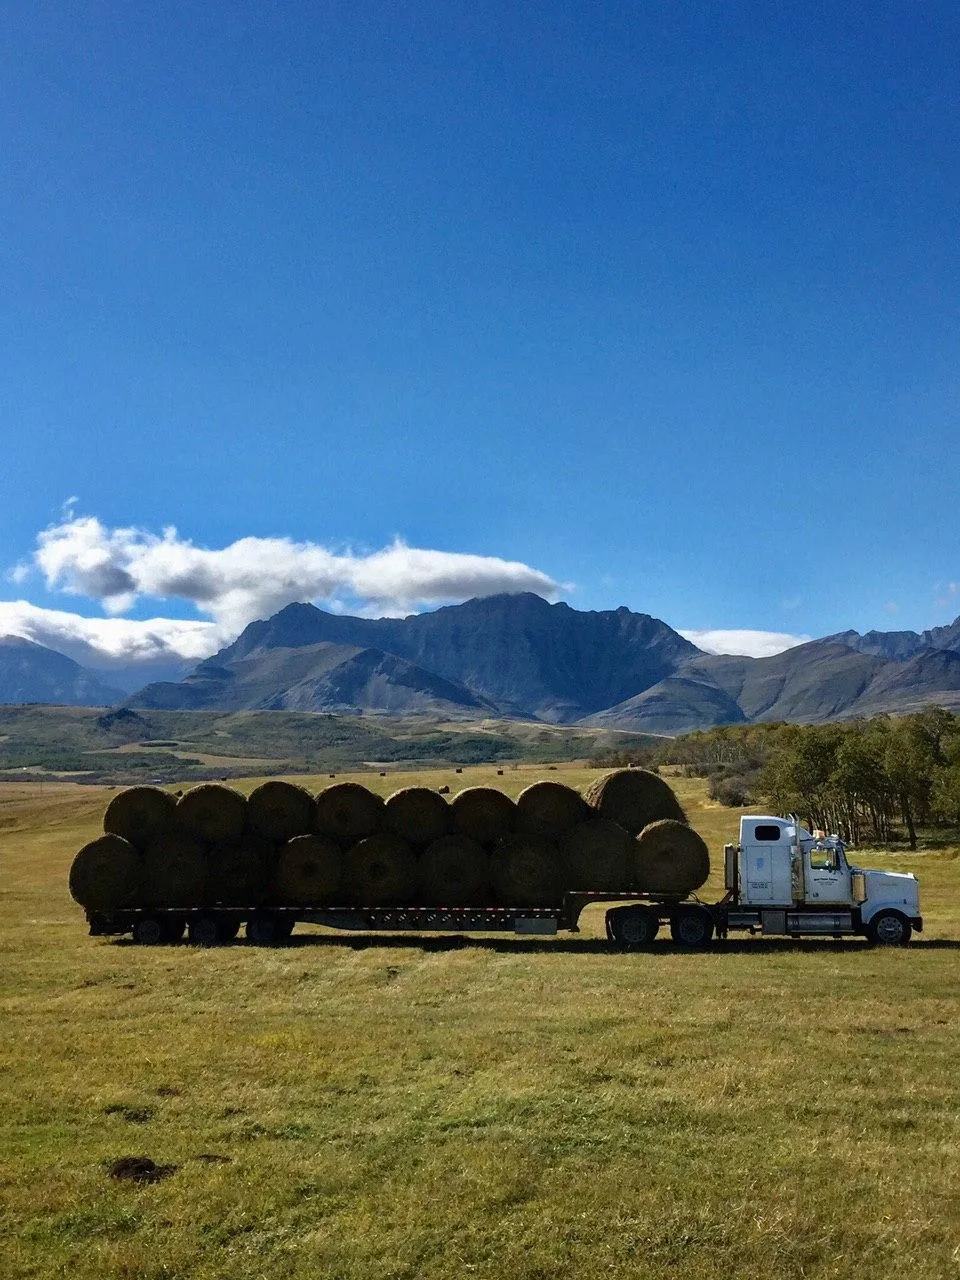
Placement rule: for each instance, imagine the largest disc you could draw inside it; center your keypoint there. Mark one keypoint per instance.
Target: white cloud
(106, 641)
(254, 577)
(751, 644)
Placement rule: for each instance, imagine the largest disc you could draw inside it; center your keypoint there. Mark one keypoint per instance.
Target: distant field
(413, 1107)
(124, 747)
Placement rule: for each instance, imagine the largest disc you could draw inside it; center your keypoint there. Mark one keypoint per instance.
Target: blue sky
(656, 304)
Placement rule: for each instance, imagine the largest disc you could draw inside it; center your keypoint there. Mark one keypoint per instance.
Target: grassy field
(497, 1107)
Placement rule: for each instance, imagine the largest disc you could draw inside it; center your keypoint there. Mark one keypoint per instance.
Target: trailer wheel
(632, 928)
(149, 931)
(204, 931)
(691, 927)
(264, 929)
(889, 929)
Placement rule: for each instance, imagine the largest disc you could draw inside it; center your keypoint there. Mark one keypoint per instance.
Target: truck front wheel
(889, 929)
(691, 927)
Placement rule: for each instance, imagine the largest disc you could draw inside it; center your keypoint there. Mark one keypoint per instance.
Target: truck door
(827, 875)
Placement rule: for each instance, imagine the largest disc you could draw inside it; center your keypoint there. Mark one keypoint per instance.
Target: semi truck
(780, 879)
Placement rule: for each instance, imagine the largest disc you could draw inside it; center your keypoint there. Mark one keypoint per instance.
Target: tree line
(863, 779)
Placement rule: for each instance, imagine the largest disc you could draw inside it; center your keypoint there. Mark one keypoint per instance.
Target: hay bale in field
(598, 854)
(139, 813)
(379, 871)
(309, 872)
(527, 872)
(176, 870)
(213, 812)
(279, 810)
(670, 857)
(107, 874)
(634, 798)
(548, 809)
(241, 871)
(454, 871)
(483, 814)
(417, 814)
(347, 811)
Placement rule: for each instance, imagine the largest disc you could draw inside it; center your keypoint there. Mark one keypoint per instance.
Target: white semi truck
(784, 880)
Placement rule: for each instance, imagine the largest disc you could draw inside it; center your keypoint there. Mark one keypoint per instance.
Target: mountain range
(517, 656)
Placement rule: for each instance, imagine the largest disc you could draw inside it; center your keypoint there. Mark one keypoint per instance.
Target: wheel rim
(889, 929)
(635, 931)
(204, 932)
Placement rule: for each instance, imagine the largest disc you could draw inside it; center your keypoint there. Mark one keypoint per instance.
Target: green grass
(497, 1107)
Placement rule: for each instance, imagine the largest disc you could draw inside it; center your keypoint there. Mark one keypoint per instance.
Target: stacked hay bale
(349, 847)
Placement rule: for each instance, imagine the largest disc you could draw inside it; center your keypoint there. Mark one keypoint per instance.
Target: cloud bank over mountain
(253, 578)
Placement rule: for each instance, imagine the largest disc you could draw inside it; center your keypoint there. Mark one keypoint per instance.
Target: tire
(149, 931)
(264, 929)
(204, 931)
(691, 927)
(889, 929)
(632, 928)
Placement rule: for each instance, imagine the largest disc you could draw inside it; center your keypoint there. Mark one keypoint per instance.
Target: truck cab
(783, 879)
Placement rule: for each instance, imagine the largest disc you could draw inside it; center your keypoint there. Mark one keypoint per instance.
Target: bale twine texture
(107, 874)
(241, 871)
(176, 870)
(670, 857)
(598, 855)
(454, 871)
(417, 814)
(483, 814)
(213, 812)
(309, 872)
(380, 871)
(348, 811)
(634, 798)
(139, 813)
(527, 872)
(279, 810)
(548, 809)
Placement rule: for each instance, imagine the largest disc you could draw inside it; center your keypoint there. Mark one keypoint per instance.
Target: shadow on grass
(566, 945)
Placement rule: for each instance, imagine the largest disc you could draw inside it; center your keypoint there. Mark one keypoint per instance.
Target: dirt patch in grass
(139, 1169)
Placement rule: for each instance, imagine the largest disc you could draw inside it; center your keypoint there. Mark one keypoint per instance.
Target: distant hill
(32, 673)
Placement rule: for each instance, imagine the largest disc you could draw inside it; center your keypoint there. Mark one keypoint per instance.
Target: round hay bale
(107, 874)
(348, 811)
(634, 798)
(380, 871)
(309, 872)
(176, 870)
(598, 855)
(139, 813)
(241, 871)
(417, 814)
(527, 872)
(454, 872)
(484, 814)
(548, 809)
(670, 857)
(280, 810)
(213, 812)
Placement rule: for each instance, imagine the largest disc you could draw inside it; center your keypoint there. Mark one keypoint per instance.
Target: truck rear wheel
(889, 929)
(691, 927)
(632, 928)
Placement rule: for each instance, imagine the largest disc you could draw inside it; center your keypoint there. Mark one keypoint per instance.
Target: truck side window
(823, 859)
(766, 832)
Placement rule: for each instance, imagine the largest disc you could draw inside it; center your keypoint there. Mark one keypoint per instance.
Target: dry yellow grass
(404, 1108)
